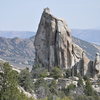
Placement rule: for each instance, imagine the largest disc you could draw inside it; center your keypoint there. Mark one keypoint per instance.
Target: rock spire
(53, 42)
(54, 47)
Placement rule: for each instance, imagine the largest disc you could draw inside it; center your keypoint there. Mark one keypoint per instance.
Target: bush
(40, 82)
(9, 90)
(85, 78)
(43, 74)
(80, 82)
(66, 98)
(25, 80)
(56, 73)
(53, 88)
(67, 73)
(69, 88)
(84, 97)
(88, 89)
(41, 88)
(39, 72)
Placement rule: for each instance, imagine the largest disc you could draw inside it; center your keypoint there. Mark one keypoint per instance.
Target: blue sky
(24, 15)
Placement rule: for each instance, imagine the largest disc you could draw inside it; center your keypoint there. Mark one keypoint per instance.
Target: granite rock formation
(54, 47)
(53, 42)
(97, 65)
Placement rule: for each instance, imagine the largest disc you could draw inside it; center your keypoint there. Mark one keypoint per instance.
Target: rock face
(97, 64)
(54, 47)
(53, 42)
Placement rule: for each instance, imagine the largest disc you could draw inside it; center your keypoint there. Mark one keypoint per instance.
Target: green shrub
(88, 89)
(80, 82)
(69, 88)
(67, 73)
(43, 74)
(40, 82)
(25, 80)
(84, 97)
(85, 78)
(53, 88)
(9, 90)
(66, 98)
(56, 73)
(39, 72)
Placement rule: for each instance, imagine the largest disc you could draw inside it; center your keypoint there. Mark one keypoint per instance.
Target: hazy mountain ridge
(21, 52)
(89, 35)
(13, 34)
(91, 49)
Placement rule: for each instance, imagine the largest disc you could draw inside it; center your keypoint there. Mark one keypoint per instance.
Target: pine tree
(88, 89)
(9, 89)
(25, 80)
(56, 73)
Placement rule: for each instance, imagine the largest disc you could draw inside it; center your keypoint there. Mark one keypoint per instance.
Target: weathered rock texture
(53, 42)
(54, 47)
(97, 65)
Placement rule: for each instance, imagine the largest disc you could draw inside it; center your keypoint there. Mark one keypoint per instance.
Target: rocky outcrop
(54, 47)
(53, 43)
(97, 65)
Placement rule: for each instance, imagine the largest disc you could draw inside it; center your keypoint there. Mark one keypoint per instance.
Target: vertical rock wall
(53, 42)
(54, 47)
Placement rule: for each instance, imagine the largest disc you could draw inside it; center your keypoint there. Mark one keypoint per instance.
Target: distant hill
(90, 48)
(20, 52)
(19, 34)
(89, 35)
